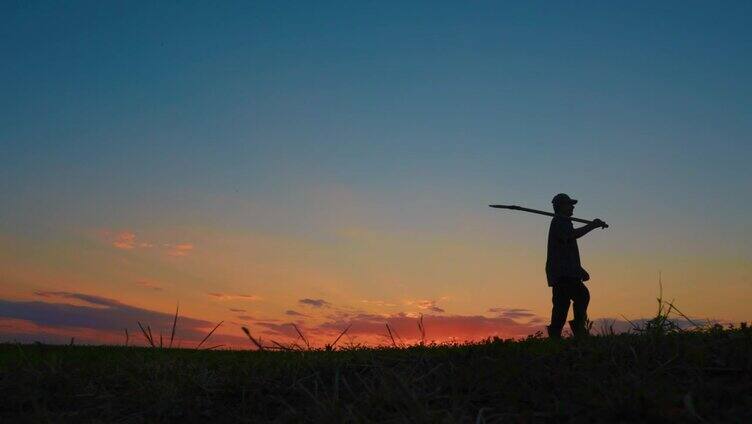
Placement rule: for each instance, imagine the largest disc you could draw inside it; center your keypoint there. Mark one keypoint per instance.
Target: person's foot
(578, 328)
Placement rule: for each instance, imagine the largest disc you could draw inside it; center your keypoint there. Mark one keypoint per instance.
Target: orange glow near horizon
(364, 279)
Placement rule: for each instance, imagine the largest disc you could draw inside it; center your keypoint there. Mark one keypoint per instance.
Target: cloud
(294, 313)
(285, 330)
(316, 303)
(124, 240)
(182, 249)
(97, 314)
(429, 305)
(370, 329)
(149, 285)
(381, 303)
(91, 299)
(97, 319)
(438, 327)
(227, 296)
(236, 310)
(127, 240)
(514, 313)
(23, 331)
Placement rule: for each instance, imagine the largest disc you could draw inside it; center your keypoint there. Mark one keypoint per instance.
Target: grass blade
(214, 347)
(209, 335)
(308, 346)
(389, 330)
(254, 341)
(671, 305)
(340, 335)
(281, 346)
(147, 336)
(422, 330)
(174, 323)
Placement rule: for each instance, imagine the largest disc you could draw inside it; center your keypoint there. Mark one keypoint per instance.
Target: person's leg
(560, 300)
(580, 300)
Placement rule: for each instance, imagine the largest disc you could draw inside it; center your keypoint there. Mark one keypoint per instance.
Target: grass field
(666, 376)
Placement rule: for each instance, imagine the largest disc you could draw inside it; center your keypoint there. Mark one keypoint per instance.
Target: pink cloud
(370, 329)
(182, 249)
(227, 296)
(124, 240)
(429, 305)
(127, 240)
(96, 319)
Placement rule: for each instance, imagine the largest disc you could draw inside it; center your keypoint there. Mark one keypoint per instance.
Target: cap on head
(563, 199)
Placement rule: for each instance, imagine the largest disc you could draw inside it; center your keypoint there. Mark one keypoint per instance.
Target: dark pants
(566, 290)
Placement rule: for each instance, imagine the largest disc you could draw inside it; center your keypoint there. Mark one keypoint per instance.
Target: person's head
(563, 204)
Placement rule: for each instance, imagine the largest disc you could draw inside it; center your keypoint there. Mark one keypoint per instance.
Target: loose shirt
(563, 259)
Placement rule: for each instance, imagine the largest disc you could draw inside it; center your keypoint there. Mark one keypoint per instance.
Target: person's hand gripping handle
(599, 223)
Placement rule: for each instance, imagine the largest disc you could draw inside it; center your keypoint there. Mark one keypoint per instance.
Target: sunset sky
(331, 163)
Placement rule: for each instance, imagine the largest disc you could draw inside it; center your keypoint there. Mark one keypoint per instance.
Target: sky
(329, 164)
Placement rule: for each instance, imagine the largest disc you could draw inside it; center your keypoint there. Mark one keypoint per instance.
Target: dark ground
(700, 376)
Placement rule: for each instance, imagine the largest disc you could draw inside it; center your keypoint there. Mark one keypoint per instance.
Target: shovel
(520, 208)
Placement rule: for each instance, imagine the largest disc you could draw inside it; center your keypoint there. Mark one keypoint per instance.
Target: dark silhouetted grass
(665, 375)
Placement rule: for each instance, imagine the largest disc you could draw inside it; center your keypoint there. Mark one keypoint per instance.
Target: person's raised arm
(579, 232)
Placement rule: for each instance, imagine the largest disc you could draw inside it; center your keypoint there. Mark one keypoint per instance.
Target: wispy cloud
(316, 303)
(285, 330)
(227, 296)
(236, 310)
(380, 303)
(290, 312)
(91, 299)
(125, 240)
(514, 313)
(128, 240)
(182, 249)
(149, 285)
(429, 305)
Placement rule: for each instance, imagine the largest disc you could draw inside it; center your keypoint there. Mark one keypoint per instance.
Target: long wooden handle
(520, 208)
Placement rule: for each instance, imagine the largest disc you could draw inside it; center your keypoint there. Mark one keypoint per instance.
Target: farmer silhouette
(564, 272)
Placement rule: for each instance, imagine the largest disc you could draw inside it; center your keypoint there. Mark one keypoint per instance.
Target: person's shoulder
(559, 220)
(561, 225)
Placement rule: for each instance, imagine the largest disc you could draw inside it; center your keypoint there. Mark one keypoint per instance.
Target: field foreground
(701, 376)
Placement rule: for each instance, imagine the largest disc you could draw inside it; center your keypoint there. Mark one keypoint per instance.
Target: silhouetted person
(563, 269)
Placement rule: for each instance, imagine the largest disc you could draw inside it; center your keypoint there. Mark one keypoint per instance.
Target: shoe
(578, 328)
